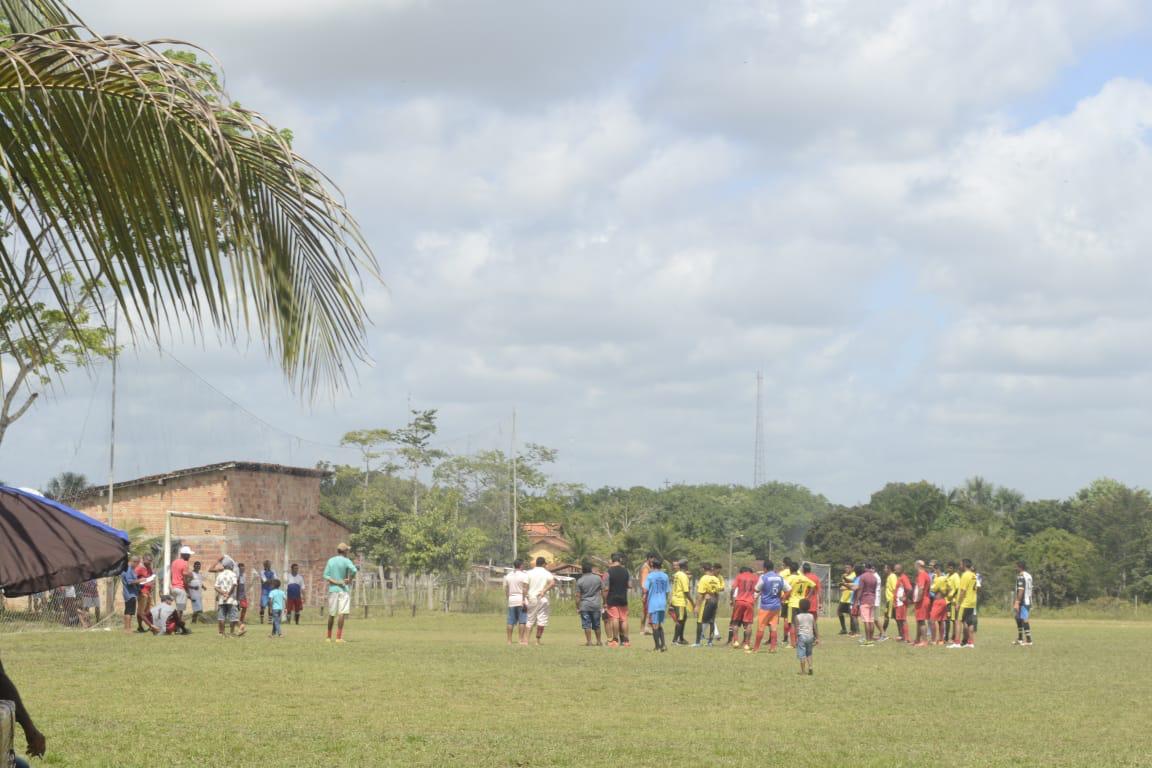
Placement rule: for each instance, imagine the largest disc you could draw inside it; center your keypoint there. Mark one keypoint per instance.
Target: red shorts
(900, 612)
(618, 612)
(294, 605)
(923, 608)
(939, 609)
(742, 613)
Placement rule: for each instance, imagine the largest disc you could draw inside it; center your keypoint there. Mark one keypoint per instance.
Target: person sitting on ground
(35, 739)
(164, 619)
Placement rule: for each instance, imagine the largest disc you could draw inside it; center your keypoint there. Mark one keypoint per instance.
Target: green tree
(435, 542)
(1063, 566)
(414, 448)
(916, 505)
(65, 485)
(1035, 516)
(1116, 519)
(124, 166)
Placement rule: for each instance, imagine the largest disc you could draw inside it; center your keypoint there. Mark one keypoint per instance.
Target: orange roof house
(546, 540)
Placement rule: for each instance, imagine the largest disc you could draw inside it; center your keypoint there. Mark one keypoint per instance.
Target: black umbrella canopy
(45, 544)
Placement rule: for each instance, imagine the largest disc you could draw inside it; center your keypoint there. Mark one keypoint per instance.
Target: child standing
(277, 599)
(804, 624)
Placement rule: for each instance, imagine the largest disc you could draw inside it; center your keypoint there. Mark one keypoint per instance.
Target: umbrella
(45, 544)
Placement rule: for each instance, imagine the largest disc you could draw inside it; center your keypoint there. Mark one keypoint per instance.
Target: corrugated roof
(243, 466)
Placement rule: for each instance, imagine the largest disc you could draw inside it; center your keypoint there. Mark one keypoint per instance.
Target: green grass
(445, 691)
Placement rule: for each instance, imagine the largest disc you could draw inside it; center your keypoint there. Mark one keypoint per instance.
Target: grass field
(444, 691)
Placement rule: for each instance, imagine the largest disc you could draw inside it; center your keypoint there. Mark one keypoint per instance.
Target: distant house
(235, 489)
(546, 540)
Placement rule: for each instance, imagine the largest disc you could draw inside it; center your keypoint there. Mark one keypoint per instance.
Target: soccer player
(681, 601)
(589, 602)
(901, 596)
(743, 598)
(656, 588)
(941, 590)
(952, 624)
(966, 600)
(785, 613)
(1022, 605)
(295, 592)
(644, 571)
(616, 601)
(867, 588)
(540, 583)
(242, 594)
(708, 590)
(814, 595)
(922, 600)
(515, 585)
(844, 607)
(799, 586)
(267, 576)
(338, 574)
(890, 579)
(771, 588)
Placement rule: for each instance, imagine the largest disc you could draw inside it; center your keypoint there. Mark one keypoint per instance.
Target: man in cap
(179, 573)
(338, 574)
(227, 611)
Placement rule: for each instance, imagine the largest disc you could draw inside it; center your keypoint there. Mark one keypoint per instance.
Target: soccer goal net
(823, 571)
(74, 607)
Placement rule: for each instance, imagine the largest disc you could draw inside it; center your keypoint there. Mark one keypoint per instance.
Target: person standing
(1022, 605)
(743, 597)
(938, 617)
(966, 600)
(616, 601)
(656, 589)
(890, 579)
(267, 576)
(178, 573)
(643, 579)
(515, 585)
(708, 590)
(295, 594)
(540, 583)
(807, 635)
(242, 593)
(815, 595)
(90, 598)
(144, 603)
(130, 588)
(770, 587)
(277, 599)
(844, 607)
(338, 574)
(589, 602)
(681, 601)
(797, 587)
(194, 584)
(922, 600)
(901, 597)
(226, 600)
(868, 586)
(952, 623)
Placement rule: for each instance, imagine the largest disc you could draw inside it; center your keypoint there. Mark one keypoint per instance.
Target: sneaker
(709, 643)
(867, 644)
(695, 645)
(1027, 643)
(842, 632)
(747, 650)
(1017, 642)
(747, 647)
(954, 645)
(340, 641)
(882, 638)
(968, 646)
(626, 644)
(327, 639)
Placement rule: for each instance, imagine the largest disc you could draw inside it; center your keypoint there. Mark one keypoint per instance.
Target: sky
(924, 221)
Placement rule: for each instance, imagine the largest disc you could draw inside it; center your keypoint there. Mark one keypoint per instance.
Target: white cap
(186, 551)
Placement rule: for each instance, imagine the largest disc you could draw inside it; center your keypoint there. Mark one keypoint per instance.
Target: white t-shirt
(225, 581)
(515, 581)
(538, 579)
(160, 615)
(297, 579)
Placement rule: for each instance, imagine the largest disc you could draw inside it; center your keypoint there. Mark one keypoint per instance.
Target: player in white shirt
(515, 587)
(1022, 605)
(540, 583)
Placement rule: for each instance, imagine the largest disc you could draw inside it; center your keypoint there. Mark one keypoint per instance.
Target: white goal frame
(218, 518)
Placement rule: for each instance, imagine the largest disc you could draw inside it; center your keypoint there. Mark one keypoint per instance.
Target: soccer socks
(699, 632)
(759, 639)
(658, 638)
(1027, 631)
(1019, 630)
(843, 626)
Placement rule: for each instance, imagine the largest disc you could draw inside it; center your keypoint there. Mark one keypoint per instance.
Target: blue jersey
(130, 590)
(657, 587)
(265, 578)
(771, 586)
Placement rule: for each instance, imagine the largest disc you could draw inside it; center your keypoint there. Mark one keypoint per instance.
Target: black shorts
(130, 607)
(844, 608)
(708, 615)
(785, 611)
(968, 616)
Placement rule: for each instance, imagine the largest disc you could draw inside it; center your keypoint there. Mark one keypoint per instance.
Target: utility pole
(112, 433)
(758, 459)
(515, 501)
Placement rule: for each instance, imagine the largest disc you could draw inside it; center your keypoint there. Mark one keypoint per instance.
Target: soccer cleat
(1027, 643)
(968, 646)
(1017, 642)
(747, 647)
(340, 641)
(954, 645)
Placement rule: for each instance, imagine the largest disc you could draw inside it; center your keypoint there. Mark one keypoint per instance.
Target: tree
(435, 542)
(65, 485)
(917, 505)
(1062, 564)
(1116, 519)
(414, 447)
(123, 166)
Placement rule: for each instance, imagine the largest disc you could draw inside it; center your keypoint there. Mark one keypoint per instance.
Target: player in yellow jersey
(681, 601)
(940, 606)
(966, 600)
(799, 587)
(708, 593)
(844, 608)
(890, 579)
(951, 628)
(785, 613)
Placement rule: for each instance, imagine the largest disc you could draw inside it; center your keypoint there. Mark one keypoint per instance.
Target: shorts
(768, 618)
(590, 620)
(890, 610)
(742, 613)
(244, 603)
(939, 610)
(294, 605)
(843, 608)
(130, 607)
(181, 598)
(656, 618)
(263, 600)
(923, 610)
(91, 602)
(539, 611)
(708, 614)
(867, 612)
(968, 616)
(785, 611)
(618, 613)
(197, 601)
(227, 613)
(900, 612)
(1024, 612)
(339, 603)
(804, 647)
(517, 614)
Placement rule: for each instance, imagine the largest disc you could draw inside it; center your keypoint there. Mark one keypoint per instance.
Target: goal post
(222, 539)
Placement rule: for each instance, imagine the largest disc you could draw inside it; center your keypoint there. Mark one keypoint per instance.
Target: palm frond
(145, 176)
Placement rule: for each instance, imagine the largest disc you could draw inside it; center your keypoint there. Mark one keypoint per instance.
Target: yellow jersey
(799, 587)
(940, 586)
(953, 590)
(710, 585)
(968, 587)
(681, 585)
(846, 587)
(890, 588)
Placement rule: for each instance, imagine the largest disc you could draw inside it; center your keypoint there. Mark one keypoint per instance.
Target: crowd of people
(940, 602)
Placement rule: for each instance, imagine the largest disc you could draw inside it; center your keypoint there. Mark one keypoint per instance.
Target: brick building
(234, 489)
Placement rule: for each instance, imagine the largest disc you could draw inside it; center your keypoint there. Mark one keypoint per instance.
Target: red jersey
(814, 593)
(924, 586)
(745, 586)
(904, 597)
(143, 572)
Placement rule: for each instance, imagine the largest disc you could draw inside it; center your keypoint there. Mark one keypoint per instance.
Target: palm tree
(123, 164)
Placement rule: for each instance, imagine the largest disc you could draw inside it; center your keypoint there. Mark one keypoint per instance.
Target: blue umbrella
(45, 544)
